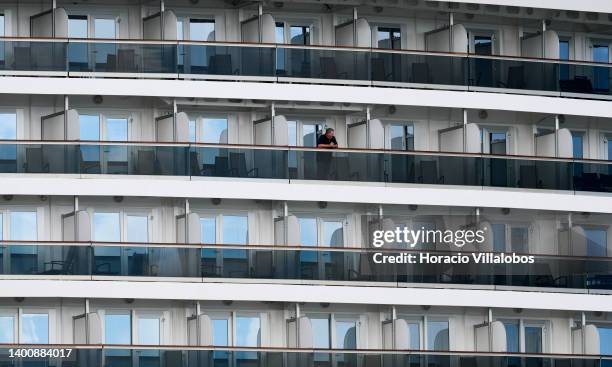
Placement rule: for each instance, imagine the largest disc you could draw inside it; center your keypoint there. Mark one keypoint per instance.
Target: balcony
(144, 356)
(94, 260)
(299, 163)
(305, 64)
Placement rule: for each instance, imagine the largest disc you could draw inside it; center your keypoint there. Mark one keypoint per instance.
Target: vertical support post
(355, 27)
(272, 116)
(162, 9)
(543, 38)
(174, 112)
(582, 326)
(260, 21)
(489, 321)
(53, 7)
(297, 324)
(187, 210)
(570, 224)
(451, 23)
(556, 135)
(368, 117)
(76, 218)
(286, 222)
(66, 107)
(380, 216)
(465, 122)
(86, 320)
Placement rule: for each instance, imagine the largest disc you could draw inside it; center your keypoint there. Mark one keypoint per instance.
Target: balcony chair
(238, 166)
(22, 58)
(605, 182)
(329, 70)
(62, 267)
(543, 277)
(516, 78)
(429, 173)
(111, 63)
(222, 167)
(209, 267)
(88, 166)
(146, 162)
(194, 165)
(364, 268)
(126, 61)
(587, 181)
(164, 161)
(221, 65)
(580, 84)
(421, 73)
(35, 162)
(528, 178)
(379, 70)
(264, 264)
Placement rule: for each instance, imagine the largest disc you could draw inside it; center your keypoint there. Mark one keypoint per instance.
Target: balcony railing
(317, 64)
(155, 356)
(299, 163)
(94, 260)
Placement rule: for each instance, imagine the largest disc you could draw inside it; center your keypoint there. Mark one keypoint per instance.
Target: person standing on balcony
(324, 160)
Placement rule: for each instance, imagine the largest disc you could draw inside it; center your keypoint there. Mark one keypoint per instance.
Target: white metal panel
(377, 134)
(305, 336)
(206, 330)
(498, 337)
(592, 342)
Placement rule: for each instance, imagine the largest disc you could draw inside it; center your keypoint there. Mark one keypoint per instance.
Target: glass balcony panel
(298, 264)
(331, 64)
(211, 60)
(238, 162)
(112, 57)
(418, 69)
(36, 259)
(33, 56)
(514, 74)
(252, 162)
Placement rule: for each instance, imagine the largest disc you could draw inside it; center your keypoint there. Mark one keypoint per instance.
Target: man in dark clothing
(324, 160)
(327, 140)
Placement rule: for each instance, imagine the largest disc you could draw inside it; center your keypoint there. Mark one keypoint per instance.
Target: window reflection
(346, 334)
(533, 339)
(7, 329)
(235, 230)
(202, 29)
(149, 331)
(247, 331)
(8, 131)
(512, 336)
(34, 328)
(23, 226)
(596, 241)
(605, 340)
(106, 227)
(137, 228)
(320, 331)
(117, 329)
(437, 335)
(220, 332)
(208, 230)
(332, 232)
(308, 231)
(214, 131)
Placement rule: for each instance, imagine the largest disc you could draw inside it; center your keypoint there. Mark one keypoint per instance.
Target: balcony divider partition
(386, 267)
(299, 63)
(302, 163)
